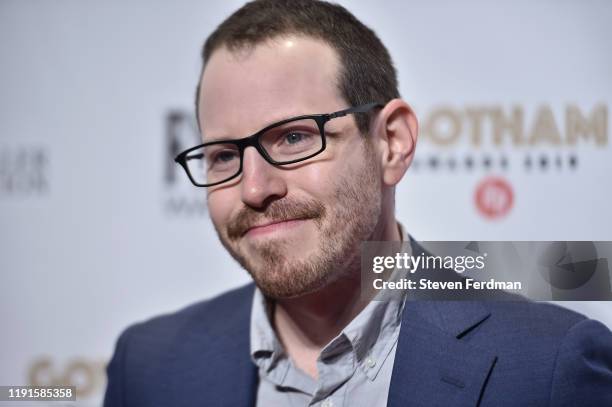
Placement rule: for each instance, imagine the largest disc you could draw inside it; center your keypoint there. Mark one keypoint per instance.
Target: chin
(290, 285)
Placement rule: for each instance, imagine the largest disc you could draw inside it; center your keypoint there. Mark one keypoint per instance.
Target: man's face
(318, 211)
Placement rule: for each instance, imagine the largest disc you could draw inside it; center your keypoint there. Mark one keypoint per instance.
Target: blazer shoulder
(539, 317)
(583, 367)
(208, 318)
(152, 355)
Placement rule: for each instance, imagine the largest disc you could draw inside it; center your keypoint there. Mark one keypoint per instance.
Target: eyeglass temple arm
(358, 109)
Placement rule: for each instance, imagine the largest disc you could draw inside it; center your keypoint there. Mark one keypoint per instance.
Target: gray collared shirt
(354, 368)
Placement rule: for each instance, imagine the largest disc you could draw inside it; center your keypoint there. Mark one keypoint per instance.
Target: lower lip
(275, 227)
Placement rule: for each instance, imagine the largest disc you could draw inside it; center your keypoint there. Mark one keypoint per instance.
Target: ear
(397, 130)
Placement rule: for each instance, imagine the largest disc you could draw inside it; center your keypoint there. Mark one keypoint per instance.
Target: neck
(307, 323)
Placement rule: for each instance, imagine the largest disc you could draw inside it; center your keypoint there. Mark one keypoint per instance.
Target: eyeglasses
(286, 142)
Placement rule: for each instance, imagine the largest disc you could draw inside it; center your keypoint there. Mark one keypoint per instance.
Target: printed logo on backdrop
(181, 196)
(24, 171)
(495, 141)
(494, 197)
(87, 375)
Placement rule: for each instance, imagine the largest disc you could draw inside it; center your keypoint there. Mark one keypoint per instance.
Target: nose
(261, 181)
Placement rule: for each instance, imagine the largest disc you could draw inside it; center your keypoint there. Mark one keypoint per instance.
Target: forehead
(244, 90)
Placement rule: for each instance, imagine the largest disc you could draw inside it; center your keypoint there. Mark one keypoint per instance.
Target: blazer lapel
(433, 365)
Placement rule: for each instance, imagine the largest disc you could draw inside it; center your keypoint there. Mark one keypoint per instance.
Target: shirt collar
(264, 342)
(374, 331)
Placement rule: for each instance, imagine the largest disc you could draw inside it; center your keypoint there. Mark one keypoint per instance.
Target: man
(304, 140)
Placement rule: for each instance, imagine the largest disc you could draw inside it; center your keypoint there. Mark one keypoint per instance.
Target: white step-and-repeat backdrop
(99, 228)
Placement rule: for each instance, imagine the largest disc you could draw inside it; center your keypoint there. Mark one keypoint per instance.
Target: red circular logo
(494, 197)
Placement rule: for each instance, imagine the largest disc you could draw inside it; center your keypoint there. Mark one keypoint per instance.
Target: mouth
(274, 227)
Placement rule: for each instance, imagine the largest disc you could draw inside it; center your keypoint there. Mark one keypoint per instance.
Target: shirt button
(370, 362)
(327, 403)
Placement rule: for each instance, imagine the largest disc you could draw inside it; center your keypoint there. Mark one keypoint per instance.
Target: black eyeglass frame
(253, 141)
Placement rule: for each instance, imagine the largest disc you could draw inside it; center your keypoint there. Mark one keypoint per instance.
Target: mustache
(276, 211)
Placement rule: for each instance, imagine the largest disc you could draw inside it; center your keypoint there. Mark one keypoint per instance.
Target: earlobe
(400, 131)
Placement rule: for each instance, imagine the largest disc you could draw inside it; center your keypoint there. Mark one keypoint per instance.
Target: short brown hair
(366, 74)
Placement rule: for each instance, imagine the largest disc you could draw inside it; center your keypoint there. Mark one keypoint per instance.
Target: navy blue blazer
(450, 353)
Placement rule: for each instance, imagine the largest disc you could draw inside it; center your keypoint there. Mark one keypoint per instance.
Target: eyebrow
(269, 123)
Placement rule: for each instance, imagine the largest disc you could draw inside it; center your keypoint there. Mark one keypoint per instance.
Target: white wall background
(88, 243)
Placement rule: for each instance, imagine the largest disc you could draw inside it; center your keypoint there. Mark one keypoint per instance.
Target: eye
(225, 156)
(295, 137)
(221, 158)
